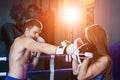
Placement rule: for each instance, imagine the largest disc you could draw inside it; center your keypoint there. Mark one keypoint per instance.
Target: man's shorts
(11, 78)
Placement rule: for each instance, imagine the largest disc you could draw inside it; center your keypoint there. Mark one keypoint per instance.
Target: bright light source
(71, 15)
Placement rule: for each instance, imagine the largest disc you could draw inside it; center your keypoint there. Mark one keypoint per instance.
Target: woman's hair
(33, 22)
(96, 35)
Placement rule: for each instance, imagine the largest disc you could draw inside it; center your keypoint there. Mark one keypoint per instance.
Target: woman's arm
(88, 72)
(75, 66)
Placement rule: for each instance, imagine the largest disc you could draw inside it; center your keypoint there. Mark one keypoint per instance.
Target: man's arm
(35, 60)
(37, 54)
(34, 46)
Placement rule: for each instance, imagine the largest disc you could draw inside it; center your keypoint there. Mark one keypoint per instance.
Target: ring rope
(41, 71)
(68, 58)
(3, 58)
(41, 57)
(52, 70)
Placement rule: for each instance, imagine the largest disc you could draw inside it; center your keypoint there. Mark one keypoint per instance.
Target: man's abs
(18, 70)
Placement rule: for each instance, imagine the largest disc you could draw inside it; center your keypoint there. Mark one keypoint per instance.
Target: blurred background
(62, 19)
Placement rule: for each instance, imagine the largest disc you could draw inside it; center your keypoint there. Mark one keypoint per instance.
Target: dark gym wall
(107, 14)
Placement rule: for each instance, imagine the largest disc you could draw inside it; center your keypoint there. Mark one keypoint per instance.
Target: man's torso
(18, 59)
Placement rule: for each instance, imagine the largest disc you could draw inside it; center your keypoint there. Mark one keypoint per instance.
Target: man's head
(33, 28)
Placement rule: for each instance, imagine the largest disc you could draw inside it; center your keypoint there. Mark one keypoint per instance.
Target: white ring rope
(52, 70)
(87, 54)
(3, 73)
(3, 58)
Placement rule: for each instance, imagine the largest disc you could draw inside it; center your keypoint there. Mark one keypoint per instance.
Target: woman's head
(96, 35)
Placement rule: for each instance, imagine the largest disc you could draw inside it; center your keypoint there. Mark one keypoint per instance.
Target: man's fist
(63, 46)
(40, 39)
(77, 43)
(65, 43)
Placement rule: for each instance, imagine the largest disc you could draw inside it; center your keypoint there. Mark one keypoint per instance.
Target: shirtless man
(19, 57)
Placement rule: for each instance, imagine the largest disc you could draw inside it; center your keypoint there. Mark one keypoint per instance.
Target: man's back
(18, 59)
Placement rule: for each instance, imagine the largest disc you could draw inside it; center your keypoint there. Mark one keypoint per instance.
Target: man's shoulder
(23, 40)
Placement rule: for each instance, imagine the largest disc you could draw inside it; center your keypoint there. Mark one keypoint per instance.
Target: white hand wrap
(60, 50)
(74, 56)
(70, 49)
(40, 39)
(38, 55)
(88, 54)
(77, 43)
(65, 43)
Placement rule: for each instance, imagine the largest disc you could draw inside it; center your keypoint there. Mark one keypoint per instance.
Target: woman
(99, 67)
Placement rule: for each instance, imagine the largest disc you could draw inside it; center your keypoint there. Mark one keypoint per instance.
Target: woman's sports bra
(99, 77)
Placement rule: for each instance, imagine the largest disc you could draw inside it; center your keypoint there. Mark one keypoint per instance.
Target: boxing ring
(51, 69)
